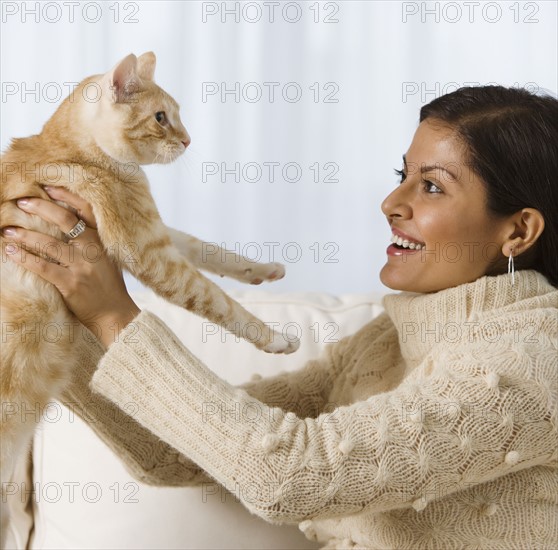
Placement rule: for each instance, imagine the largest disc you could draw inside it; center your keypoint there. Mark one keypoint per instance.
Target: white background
(382, 61)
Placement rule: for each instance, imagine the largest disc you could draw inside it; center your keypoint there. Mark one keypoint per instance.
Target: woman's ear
(528, 224)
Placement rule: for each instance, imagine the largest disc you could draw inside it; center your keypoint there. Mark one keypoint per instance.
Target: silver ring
(77, 230)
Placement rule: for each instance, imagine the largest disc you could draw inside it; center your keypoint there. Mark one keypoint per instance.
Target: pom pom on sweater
(270, 442)
(492, 380)
(512, 458)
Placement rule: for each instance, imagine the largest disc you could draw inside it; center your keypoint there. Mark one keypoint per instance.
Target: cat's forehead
(170, 101)
(154, 96)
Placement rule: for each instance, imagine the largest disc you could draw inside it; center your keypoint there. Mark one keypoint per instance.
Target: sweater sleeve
(147, 458)
(464, 416)
(151, 460)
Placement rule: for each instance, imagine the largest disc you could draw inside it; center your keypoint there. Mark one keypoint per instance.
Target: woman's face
(439, 205)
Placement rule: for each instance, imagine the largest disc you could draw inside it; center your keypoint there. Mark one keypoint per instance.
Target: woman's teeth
(405, 243)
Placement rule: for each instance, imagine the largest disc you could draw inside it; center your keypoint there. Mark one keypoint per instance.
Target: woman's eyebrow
(431, 167)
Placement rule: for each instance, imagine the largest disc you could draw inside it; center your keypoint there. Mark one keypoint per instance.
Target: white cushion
(19, 503)
(84, 498)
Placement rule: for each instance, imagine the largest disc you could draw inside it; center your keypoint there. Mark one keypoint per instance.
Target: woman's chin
(399, 278)
(393, 279)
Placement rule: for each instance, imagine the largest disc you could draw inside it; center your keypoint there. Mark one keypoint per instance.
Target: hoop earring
(511, 268)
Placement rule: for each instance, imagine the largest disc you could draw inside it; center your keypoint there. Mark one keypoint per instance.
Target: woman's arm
(450, 425)
(146, 456)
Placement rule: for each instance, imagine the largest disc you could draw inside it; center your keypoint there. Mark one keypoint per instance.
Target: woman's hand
(91, 284)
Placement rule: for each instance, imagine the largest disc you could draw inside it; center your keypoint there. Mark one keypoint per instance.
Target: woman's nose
(397, 202)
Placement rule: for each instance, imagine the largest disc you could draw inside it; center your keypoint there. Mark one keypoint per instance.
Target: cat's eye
(160, 117)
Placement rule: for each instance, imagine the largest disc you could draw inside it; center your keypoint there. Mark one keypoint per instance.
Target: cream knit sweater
(434, 426)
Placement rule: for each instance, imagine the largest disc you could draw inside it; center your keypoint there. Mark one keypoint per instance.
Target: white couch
(83, 496)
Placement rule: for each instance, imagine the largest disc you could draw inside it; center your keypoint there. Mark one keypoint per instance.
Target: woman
(441, 421)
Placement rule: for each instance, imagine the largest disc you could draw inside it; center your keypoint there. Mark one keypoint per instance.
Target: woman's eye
(160, 117)
(429, 185)
(401, 174)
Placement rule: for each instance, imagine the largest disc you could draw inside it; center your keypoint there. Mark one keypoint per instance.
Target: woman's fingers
(34, 245)
(90, 283)
(50, 212)
(49, 271)
(82, 207)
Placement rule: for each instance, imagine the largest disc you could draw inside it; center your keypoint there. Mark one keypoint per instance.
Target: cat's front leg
(140, 243)
(215, 259)
(170, 274)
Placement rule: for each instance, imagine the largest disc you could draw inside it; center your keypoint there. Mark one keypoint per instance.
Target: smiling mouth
(402, 244)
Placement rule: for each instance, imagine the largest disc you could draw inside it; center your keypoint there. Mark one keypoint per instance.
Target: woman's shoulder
(529, 321)
(518, 346)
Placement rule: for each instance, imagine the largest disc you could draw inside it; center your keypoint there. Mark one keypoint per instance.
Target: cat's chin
(168, 158)
(159, 159)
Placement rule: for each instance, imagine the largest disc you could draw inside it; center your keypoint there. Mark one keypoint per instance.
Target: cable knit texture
(434, 426)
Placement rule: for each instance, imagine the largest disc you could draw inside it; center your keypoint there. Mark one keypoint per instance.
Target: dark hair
(511, 137)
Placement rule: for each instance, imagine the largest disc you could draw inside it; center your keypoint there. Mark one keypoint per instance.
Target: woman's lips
(392, 250)
(410, 244)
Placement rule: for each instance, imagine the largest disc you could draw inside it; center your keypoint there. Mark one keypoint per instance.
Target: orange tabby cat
(94, 149)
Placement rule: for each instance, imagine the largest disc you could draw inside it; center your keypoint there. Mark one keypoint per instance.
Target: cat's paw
(265, 272)
(282, 344)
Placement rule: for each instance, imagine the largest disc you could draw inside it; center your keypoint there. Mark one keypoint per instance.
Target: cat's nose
(186, 142)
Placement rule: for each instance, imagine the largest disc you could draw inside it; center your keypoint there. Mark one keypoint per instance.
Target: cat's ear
(123, 79)
(146, 65)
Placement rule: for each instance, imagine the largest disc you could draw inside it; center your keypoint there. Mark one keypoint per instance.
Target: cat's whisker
(193, 153)
(194, 164)
(188, 154)
(157, 154)
(184, 163)
(191, 174)
(191, 165)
